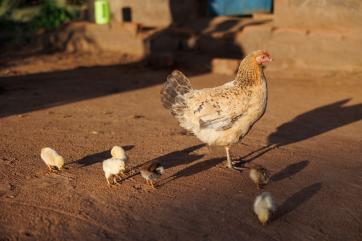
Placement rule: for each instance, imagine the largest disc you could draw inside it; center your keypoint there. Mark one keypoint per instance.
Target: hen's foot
(238, 165)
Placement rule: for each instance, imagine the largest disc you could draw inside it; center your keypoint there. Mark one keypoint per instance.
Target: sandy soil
(82, 112)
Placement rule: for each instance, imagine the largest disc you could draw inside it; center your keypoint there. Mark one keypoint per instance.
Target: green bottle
(102, 12)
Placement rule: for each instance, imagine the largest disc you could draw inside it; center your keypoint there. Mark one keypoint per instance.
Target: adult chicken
(223, 115)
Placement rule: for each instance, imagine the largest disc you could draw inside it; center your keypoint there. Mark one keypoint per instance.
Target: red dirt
(83, 112)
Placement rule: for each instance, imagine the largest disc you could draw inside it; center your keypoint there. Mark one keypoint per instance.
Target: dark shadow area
(97, 157)
(289, 171)
(176, 158)
(172, 159)
(310, 124)
(316, 122)
(194, 169)
(31, 92)
(296, 200)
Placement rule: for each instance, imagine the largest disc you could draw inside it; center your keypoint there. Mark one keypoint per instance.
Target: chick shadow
(175, 158)
(192, 170)
(97, 157)
(309, 124)
(289, 171)
(296, 200)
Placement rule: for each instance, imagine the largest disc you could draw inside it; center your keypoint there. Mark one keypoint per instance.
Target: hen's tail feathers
(176, 86)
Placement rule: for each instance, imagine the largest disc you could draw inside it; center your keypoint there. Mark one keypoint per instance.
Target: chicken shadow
(296, 200)
(194, 169)
(310, 124)
(97, 157)
(289, 171)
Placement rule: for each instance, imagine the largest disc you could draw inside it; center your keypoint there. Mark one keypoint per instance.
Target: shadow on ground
(289, 171)
(97, 157)
(297, 199)
(175, 158)
(310, 124)
(31, 92)
(194, 169)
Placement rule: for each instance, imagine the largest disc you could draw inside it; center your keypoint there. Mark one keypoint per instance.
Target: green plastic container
(102, 13)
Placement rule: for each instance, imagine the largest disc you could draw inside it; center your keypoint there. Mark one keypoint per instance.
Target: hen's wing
(218, 108)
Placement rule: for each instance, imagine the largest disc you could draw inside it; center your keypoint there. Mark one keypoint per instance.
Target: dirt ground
(314, 118)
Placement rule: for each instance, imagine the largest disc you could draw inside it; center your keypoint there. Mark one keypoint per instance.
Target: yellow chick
(51, 158)
(264, 207)
(116, 165)
(118, 152)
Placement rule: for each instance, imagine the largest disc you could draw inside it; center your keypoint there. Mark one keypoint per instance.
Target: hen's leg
(229, 165)
(208, 148)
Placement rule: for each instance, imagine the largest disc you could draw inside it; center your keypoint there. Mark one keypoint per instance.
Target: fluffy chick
(116, 165)
(51, 158)
(118, 152)
(264, 207)
(259, 175)
(152, 172)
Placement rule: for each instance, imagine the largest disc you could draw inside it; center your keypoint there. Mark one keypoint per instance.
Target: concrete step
(116, 37)
(295, 47)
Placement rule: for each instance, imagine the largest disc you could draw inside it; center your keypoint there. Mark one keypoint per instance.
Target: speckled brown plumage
(259, 175)
(224, 114)
(249, 70)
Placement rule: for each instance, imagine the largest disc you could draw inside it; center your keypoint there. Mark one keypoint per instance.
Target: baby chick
(116, 165)
(51, 158)
(152, 172)
(259, 175)
(264, 207)
(118, 152)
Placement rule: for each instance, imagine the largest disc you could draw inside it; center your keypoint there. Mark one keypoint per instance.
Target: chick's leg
(109, 184)
(153, 186)
(115, 180)
(119, 177)
(229, 165)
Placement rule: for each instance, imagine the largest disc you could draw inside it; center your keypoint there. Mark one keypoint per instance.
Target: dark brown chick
(259, 175)
(152, 172)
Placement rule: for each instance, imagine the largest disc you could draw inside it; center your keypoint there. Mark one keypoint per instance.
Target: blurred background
(299, 33)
